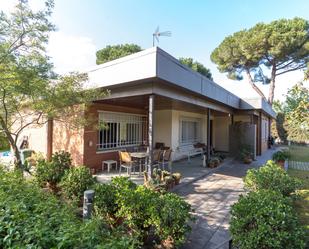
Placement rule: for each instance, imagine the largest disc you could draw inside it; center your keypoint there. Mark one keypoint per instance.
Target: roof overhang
(156, 65)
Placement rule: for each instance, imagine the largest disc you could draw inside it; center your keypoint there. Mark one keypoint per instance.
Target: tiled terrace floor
(190, 171)
(211, 196)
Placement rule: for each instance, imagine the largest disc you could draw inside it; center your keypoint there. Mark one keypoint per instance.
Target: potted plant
(280, 156)
(177, 177)
(211, 163)
(216, 161)
(170, 182)
(246, 156)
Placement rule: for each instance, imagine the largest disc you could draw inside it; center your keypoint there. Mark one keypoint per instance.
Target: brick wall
(92, 157)
(69, 138)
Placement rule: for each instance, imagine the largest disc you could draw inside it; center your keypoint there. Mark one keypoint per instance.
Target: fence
(299, 165)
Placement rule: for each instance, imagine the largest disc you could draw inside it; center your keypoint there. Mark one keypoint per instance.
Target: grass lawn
(302, 204)
(299, 153)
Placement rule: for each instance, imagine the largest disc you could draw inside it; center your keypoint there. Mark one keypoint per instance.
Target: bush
(281, 155)
(53, 171)
(31, 218)
(62, 159)
(272, 177)
(265, 219)
(75, 181)
(146, 212)
(171, 217)
(105, 201)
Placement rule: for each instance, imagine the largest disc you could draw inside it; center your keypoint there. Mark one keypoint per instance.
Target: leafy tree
(4, 144)
(110, 53)
(297, 113)
(276, 48)
(293, 115)
(30, 93)
(196, 66)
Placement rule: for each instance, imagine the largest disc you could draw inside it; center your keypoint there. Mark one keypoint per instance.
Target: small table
(109, 164)
(140, 156)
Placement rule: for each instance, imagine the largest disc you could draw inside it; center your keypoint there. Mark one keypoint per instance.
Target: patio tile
(212, 196)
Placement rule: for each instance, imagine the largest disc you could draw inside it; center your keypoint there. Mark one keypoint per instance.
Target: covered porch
(138, 122)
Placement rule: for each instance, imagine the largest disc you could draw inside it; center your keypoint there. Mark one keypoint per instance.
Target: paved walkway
(211, 197)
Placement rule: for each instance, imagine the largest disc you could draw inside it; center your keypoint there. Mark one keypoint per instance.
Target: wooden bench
(190, 150)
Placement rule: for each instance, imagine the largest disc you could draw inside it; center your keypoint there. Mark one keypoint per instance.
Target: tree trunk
(271, 92)
(272, 86)
(12, 142)
(254, 86)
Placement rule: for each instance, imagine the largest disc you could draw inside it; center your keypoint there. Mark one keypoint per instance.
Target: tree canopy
(264, 52)
(30, 93)
(296, 109)
(293, 114)
(110, 53)
(196, 66)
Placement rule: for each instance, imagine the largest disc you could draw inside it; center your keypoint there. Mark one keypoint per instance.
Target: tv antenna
(157, 34)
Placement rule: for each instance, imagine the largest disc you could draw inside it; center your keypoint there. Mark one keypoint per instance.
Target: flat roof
(155, 63)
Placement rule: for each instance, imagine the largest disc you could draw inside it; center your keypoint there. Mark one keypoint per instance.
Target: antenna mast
(157, 33)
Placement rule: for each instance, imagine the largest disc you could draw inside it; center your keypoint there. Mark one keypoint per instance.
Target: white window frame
(198, 137)
(128, 128)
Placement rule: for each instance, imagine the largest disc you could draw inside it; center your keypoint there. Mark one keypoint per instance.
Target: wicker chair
(126, 162)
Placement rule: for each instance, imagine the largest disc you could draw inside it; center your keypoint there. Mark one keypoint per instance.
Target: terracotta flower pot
(281, 163)
(247, 160)
(211, 165)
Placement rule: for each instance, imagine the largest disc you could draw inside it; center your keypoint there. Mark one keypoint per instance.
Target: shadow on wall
(68, 138)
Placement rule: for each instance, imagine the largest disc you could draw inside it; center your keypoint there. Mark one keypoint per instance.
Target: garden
(266, 217)
(45, 210)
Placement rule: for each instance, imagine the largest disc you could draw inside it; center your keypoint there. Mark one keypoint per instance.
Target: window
(189, 130)
(121, 130)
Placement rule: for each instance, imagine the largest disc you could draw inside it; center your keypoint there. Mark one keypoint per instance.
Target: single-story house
(155, 99)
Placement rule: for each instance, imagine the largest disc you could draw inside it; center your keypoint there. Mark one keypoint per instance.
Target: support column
(232, 118)
(50, 128)
(259, 138)
(150, 132)
(208, 136)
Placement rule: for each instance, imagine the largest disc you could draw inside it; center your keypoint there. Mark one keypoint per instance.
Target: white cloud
(70, 52)
(8, 5)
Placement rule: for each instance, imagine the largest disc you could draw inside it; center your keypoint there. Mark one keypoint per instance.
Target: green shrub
(171, 217)
(52, 172)
(31, 218)
(265, 219)
(281, 155)
(75, 181)
(62, 159)
(272, 177)
(105, 201)
(120, 183)
(137, 207)
(144, 211)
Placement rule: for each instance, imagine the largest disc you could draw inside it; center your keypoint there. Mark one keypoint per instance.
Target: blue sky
(197, 28)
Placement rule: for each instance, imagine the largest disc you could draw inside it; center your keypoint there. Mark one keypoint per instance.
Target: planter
(247, 160)
(211, 165)
(281, 163)
(177, 177)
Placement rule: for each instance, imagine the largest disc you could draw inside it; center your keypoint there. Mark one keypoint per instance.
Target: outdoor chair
(125, 161)
(166, 160)
(156, 158)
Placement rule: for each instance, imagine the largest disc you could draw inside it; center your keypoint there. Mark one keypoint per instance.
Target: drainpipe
(150, 132)
(208, 136)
